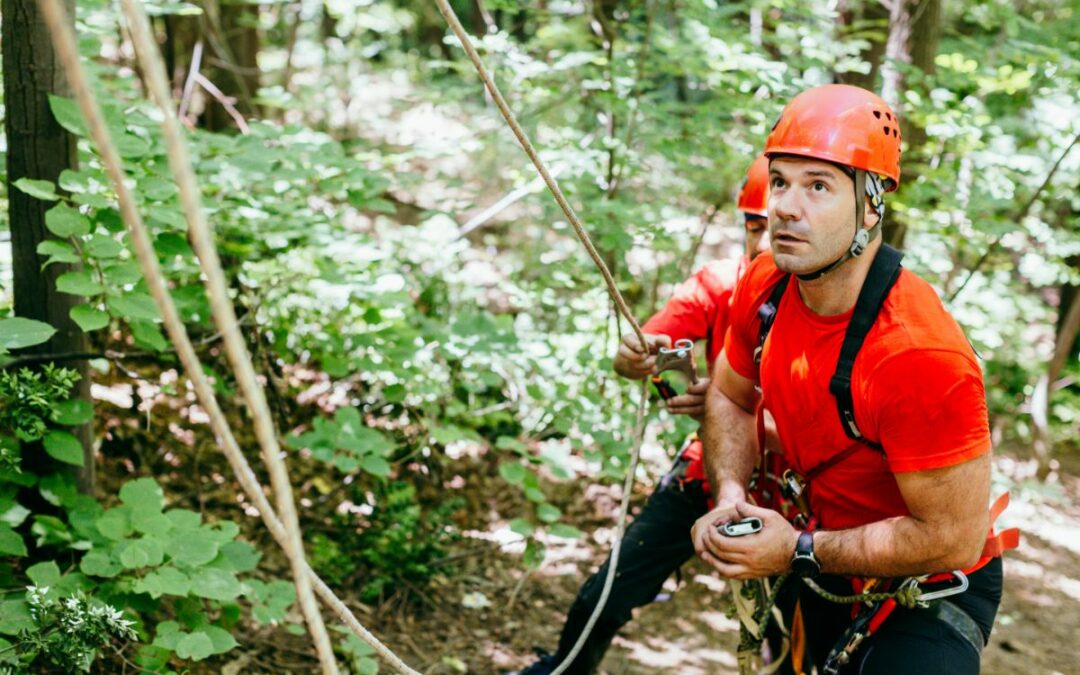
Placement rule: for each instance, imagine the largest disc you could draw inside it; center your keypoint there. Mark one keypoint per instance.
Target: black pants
(910, 640)
(655, 545)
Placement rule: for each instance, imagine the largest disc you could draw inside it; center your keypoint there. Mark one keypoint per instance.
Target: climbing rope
(908, 594)
(616, 297)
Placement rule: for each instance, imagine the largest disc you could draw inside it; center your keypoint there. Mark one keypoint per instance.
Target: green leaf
(121, 274)
(115, 523)
(522, 527)
(164, 581)
(149, 335)
(534, 554)
(17, 332)
(103, 247)
(548, 513)
(220, 637)
(215, 584)
(64, 222)
(192, 547)
(512, 472)
(153, 523)
(145, 552)
(195, 646)
(63, 446)
(67, 113)
(58, 252)
(99, 563)
(89, 318)
(15, 617)
(376, 466)
(168, 634)
(242, 556)
(134, 306)
(565, 531)
(81, 282)
(183, 519)
(40, 189)
(72, 412)
(143, 494)
(44, 574)
(11, 543)
(535, 495)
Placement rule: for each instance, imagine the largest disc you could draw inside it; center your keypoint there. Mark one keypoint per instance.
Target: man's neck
(837, 291)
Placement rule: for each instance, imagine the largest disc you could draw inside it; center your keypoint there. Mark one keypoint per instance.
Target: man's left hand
(762, 554)
(691, 403)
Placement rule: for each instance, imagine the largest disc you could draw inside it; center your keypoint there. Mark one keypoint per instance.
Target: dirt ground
(688, 630)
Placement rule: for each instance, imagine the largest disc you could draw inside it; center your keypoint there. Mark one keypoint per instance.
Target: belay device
(679, 358)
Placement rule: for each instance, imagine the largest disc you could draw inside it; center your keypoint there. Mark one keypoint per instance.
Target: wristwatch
(803, 562)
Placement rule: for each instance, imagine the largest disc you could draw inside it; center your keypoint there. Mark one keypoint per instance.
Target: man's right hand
(704, 533)
(632, 362)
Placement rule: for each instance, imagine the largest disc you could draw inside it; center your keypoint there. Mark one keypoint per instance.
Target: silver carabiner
(947, 592)
(680, 357)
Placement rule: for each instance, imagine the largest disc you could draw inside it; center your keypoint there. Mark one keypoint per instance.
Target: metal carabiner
(946, 592)
(680, 358)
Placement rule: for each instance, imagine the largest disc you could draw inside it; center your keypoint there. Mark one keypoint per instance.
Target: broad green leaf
(58, 252)
(115, 523)
(15, 616)
(242, 556)
(67, 113)
(143, 494)
(121, 274)
(168, 634)
(103, 247)
(548, 513)
(11, 542)
(148, 334)
(81, 282)
(98, 563)
(153, 523)
(522, 527)
(134, 306)
(88, 317)
(130, 146)
(64, 446)
(534, 554)
(512, 472)
(183, 519)
(535, 495)
(195, 646)
(223, 531)
(44, 574)
(565, 531)
(64, 222)
(17, 332)
(145, 552)
(376, 466)
(72, 412)
(215, 584)
(222, 640)
(164, 581)
(192, 547)
(40, 189)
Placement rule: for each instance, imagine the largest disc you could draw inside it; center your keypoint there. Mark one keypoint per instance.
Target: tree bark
(870, 15)
(233, 36)
(39, 148)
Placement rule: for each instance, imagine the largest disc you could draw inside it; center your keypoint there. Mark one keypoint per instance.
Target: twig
(225, 101)
(498, 207)
(224, 315)
(189, 82)
(67, 52)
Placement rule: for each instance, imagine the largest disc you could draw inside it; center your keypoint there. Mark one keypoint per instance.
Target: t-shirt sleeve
(930, 409)
(744, 324)
(690, 313)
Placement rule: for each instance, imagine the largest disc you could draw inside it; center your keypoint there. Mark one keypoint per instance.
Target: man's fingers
(699, 388)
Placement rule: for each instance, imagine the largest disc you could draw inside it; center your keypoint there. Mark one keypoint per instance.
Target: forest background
(435, 346)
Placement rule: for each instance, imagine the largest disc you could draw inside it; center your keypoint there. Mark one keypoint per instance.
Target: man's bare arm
(728, 432)
(945, 531)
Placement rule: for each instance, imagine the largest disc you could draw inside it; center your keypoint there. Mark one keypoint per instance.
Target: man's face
(811, 213)
(757, 235)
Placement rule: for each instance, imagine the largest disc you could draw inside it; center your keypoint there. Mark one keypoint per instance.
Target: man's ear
(870, 215)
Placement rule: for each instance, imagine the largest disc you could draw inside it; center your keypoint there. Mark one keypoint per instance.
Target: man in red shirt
(904, 490)
(656, 544)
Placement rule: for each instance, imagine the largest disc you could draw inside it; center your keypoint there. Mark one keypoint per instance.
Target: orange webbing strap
(798, 640)
(1006, 540)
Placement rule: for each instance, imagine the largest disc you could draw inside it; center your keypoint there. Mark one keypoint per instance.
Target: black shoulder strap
(767, 314)
(884, 272)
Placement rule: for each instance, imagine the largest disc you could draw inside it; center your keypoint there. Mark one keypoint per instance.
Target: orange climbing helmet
(842, 124)
(754, 194)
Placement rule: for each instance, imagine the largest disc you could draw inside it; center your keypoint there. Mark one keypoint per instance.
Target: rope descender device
(679, 358)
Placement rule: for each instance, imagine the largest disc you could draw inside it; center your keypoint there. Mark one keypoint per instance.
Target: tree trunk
(870, 16)
(233, 37)
(914, 35)
(39, 148)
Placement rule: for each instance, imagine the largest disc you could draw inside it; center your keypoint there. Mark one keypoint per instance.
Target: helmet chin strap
(862, 238)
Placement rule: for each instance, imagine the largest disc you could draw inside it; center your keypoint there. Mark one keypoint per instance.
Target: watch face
(805, 566)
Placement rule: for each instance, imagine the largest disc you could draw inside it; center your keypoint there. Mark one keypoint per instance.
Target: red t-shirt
(699, 310)
(917, 389)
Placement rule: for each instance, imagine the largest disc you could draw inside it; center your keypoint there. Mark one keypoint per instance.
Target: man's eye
(820, 187)
(777, 182)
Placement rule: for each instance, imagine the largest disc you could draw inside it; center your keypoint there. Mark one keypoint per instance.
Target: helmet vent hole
(877, 114)
(895, 133)
(888, 116)
(886, 130)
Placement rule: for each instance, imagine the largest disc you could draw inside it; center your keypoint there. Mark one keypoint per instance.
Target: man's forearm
(897, 547)
(727, 433)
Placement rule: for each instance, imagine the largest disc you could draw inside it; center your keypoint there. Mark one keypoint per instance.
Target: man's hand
(691, 403)
(632, 362)
(763, 554)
